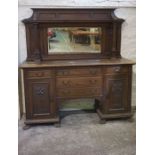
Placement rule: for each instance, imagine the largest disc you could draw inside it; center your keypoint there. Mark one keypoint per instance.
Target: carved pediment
(72, 15)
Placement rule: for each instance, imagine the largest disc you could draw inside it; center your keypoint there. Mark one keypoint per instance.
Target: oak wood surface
(110, 84)
(64, 63)
(51, 78)
(42, 19)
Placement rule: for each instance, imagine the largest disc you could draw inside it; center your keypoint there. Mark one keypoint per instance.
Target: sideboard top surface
(65, 63)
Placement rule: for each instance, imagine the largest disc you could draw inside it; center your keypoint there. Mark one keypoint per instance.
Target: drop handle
(117, 69)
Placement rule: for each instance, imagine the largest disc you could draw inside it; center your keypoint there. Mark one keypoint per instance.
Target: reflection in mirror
(74, 40)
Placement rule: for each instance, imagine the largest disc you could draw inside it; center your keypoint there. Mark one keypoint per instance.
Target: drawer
(79, 82)
(79, 92)
(115, 69)
(38, 74)
(79, 71)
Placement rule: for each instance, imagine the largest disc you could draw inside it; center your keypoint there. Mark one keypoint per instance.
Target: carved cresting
(61, 14)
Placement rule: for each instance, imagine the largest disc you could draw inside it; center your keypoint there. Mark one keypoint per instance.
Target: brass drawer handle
(117, 69)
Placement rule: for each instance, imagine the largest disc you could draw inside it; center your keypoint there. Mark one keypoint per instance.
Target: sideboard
(72, 54)
(107, 81)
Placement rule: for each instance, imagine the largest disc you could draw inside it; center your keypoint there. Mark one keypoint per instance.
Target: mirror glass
(66, 40)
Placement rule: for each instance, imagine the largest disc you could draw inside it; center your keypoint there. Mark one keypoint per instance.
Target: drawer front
(79, 71)
(79, 82)
(79, 92)
(115, 69)
(38, 74)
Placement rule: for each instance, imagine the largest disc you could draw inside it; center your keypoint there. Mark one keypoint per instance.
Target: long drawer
(79, 92)
(86, 71)
(79, 82)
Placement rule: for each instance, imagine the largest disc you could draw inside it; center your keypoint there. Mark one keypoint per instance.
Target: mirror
(74, 40)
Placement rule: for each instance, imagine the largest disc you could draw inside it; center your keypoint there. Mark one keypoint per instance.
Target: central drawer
(84, 71)
(79, 92)
(79, 82)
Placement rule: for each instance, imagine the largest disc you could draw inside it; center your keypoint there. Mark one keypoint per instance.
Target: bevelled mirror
(74, 40)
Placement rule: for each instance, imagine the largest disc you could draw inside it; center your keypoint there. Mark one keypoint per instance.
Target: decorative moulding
(43, 15)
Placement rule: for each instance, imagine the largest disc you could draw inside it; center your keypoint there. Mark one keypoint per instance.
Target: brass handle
(117, 69)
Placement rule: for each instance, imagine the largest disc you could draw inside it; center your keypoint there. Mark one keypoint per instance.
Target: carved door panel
(116, 94)
(40, 101)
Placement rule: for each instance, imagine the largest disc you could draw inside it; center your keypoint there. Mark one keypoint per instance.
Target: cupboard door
(117, 93)
(40, 99)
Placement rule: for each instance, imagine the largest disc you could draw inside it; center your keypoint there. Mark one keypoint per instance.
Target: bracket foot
(26, 127)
